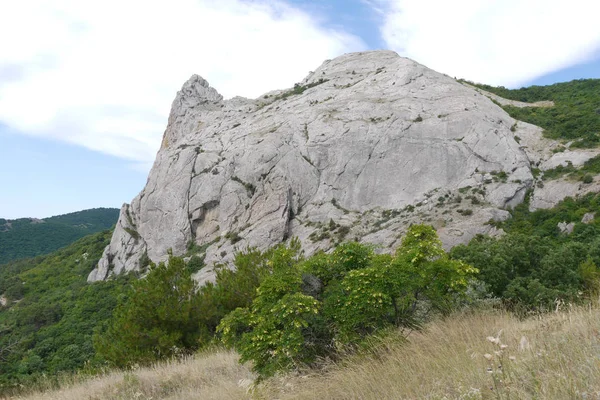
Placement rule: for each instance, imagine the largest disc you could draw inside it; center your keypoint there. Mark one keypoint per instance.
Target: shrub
(307, 309)
(158, 320)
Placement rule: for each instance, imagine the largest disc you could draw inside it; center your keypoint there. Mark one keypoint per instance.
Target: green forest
(26, 237)
(50, 311)
(575, 115)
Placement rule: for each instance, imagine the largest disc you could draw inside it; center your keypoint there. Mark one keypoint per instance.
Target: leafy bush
(234, 288)
(534, 264)
(314, 308)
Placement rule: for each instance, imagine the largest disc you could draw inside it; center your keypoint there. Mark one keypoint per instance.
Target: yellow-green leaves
(329, 302)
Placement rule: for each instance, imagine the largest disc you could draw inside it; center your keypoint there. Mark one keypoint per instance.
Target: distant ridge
(30, 237)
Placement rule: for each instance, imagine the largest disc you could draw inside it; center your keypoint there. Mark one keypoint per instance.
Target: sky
(86, 86)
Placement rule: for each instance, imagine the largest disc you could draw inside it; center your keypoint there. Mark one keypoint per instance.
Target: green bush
(158, 320)
(237, 287)
(534, 264)
(308, 309)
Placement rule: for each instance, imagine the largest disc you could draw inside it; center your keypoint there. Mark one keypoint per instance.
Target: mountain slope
(363, 147)
(30, 237)
(48, 311)
(553, 356)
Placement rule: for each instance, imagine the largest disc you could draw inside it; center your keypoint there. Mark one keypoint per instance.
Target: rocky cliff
(361, 148)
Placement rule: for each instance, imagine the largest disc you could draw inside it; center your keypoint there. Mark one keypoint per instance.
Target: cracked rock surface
(367, 144)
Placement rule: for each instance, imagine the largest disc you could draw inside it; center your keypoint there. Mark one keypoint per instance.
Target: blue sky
(86, 87)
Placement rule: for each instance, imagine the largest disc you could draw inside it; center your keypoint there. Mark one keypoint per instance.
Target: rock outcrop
(364, 146)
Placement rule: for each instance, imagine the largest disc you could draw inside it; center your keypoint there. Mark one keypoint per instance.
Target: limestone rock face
(362, 147)
(566, 228)
(550, 193)
(588, 218)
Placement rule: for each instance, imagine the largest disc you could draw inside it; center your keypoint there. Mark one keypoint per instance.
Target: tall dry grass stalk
(477, 355)
(553, 356)
(211, 375)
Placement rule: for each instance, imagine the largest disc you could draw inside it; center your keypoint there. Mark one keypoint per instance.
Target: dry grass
(214, 375)
(554, 356)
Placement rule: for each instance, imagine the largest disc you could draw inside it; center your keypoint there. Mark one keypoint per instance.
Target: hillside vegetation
(549, 356)
(27, 237)
(282, 311)
(49, 312)
(535, 264)
(575, 115)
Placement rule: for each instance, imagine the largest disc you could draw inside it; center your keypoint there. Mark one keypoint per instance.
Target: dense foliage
(50, 311)
(26, 237)
(313, 308)
(159, 318)
(535, 264)
(575, 115)
(166, 314)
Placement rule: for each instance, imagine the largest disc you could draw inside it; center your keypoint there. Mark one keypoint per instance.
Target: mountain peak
(364, 146)
(198, 88)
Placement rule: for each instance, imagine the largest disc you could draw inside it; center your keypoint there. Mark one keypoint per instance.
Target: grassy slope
(555, 357)
(25, 238)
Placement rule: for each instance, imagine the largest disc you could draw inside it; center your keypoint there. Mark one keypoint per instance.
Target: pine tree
(158, 320)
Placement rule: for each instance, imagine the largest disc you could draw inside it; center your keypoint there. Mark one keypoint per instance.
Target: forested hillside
(537, 263)
(574, 116)
(29, 237)
(49, 311)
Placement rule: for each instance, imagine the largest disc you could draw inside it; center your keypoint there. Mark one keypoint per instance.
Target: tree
(236, 287)
(159, 319)
(313, 308)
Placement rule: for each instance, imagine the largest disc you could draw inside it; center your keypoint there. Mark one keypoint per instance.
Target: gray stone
(588, 218)
(371, 141)
(574, 157)
(553, 192)
(566, 228)
(311, 285)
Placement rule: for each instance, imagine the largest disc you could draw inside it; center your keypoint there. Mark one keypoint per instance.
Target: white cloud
(499, 42)
(102, 74)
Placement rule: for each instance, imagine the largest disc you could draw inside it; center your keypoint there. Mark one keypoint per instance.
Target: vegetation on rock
(574, 116)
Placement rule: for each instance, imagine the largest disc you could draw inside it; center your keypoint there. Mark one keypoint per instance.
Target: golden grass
(211, 375)
(556, 356)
